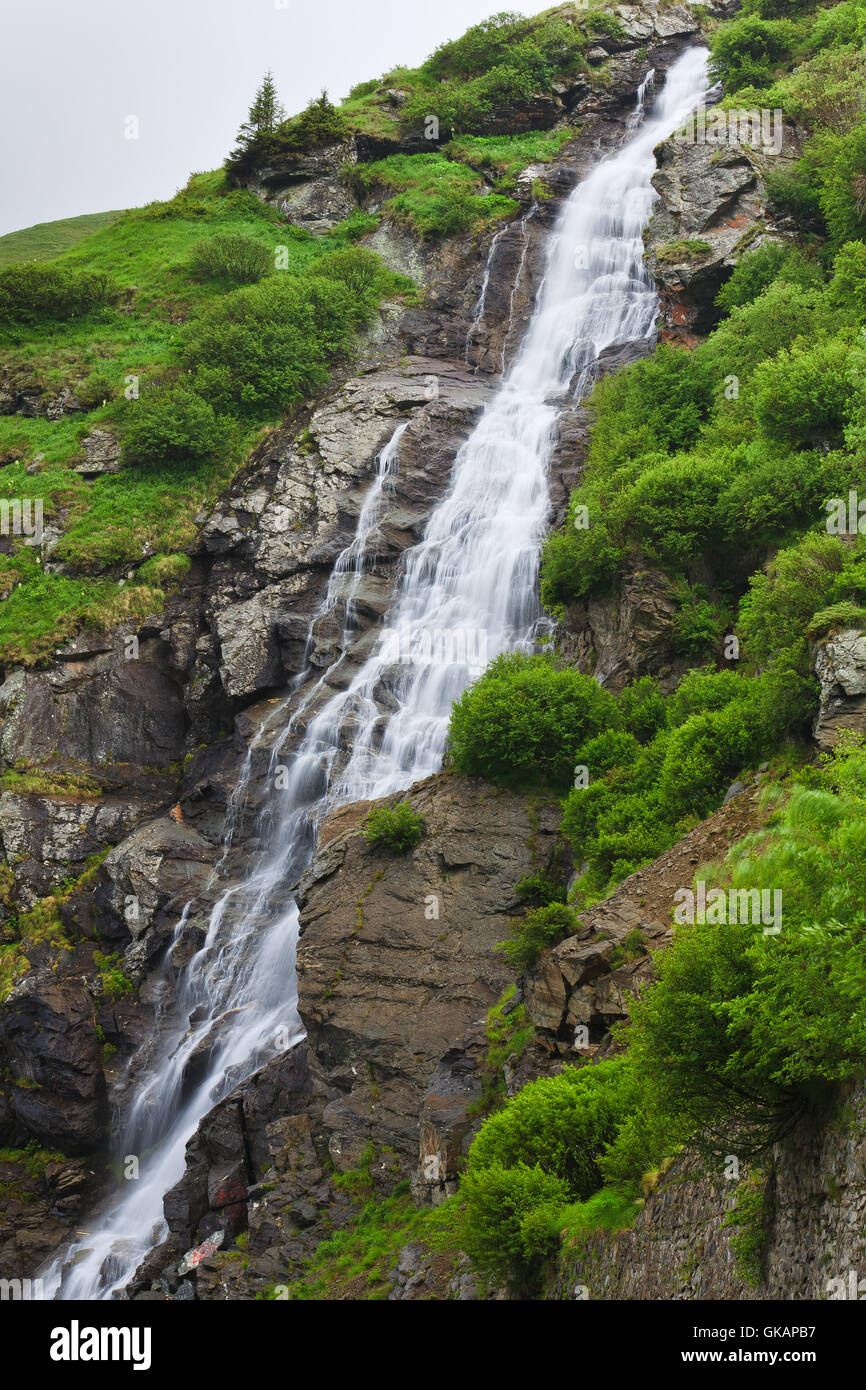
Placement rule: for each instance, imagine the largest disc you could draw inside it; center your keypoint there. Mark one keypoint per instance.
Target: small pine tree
(266, 112)
(263, 117)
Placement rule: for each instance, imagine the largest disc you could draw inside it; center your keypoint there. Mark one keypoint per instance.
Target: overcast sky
(73, 71)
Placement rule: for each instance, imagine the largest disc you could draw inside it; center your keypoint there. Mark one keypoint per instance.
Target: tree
(265, 114)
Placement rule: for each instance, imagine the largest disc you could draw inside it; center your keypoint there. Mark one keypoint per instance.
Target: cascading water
(466, 592)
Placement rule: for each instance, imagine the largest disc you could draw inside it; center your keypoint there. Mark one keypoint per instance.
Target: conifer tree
(264, 116)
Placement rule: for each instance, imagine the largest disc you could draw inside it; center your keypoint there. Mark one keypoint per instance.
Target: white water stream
(466, 592)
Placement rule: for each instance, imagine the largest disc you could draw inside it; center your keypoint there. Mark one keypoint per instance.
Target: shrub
(743, 1034)
(94, 391)
(359, 269)
(507, 1228)
(745, 51)
(560, 1123)
(848, 286)
(171, 424)
(759, 268)
(35, 291)
(781, 600)
(838, 615)
(643, 708)
(266, 346)
(233, 257)
(523, 721)
(575, 563)
(540, 928)
(795, 192)
(396, 829)
(803, 395)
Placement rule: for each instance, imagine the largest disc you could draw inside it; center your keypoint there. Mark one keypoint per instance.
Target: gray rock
(840, 665)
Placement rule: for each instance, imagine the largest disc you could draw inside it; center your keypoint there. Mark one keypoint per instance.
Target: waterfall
(466, 592)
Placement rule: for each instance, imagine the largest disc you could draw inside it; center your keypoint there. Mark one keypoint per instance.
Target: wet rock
(387, 988)
(50, 1049)
(102, 454)
(840, 665)
(712, 209)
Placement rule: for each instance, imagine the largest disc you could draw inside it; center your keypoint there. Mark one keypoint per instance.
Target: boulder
(840, 665)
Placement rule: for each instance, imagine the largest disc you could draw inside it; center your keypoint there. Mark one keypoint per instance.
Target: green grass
(505, 156)
(433, 195)
(676, 251)
(114, 523)
(45, 240)
(370, 1247)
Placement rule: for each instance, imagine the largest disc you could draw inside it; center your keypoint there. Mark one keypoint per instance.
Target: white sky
(72, 71)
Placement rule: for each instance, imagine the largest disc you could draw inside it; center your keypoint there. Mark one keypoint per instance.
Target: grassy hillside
(45, 240)
(143, 304)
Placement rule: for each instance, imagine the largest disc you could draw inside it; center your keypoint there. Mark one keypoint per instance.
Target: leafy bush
(540, 928)
(562, 1123)
(94, 391)
(170, 425)
(266, 346)
(360, 270)
(35, 291)
(799, 581)
(803, 396)
(239, 259)
(848, 287)
(523, 721)
(397, 829)
(507, 1228)
(774, 260)
(757, 1030)
(746, 51)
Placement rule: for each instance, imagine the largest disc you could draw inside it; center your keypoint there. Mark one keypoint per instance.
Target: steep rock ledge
(679, 1247)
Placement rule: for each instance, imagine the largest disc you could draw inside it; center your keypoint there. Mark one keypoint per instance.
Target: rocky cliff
(124, 750)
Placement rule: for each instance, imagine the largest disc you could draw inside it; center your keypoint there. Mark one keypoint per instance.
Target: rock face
(840, 665)
(679, 1247)
(39, 1201)
(712, 208)
(397, 960)
(159, 717)
(576, 992)
(396, 972)
(630, 633)
(56, 1088)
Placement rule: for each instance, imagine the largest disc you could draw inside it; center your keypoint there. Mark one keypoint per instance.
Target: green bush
(795, 192)
(775, 260)
(263, 348)
(170, 425)
(803, 396)
(523, 721)
(396, 829)
(848, 286)
(799, 581)
(507, 1228)
(756, 1030)
(561, 1123)
(94, 391)
(577, 562)
(35, 291)
(746, 51)
(238, 259)
(360, 270)
(540, 928)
